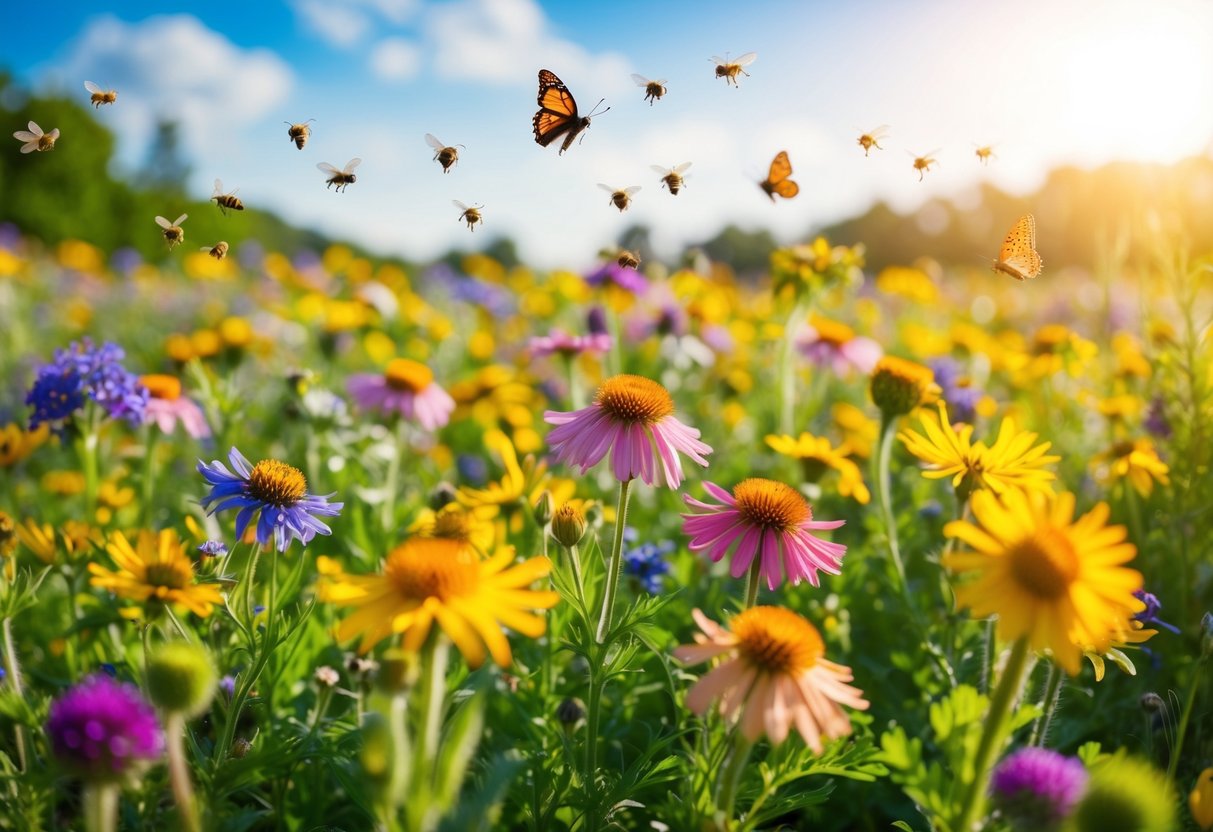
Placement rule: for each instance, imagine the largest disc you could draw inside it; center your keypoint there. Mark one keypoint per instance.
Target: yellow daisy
(16, 443)
(155, 571)
(519, 486)
(817, 456)
(454, 522)
(1135, 632)
(438, 579)
(1057, 581)
(1136, 461)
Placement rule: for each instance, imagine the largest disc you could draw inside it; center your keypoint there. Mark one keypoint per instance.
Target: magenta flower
(104, 729)
(559, 342)
(407, 388)
(166, 407)
(835, 345)
(768, 520)
(633, 418)
(1037, 788)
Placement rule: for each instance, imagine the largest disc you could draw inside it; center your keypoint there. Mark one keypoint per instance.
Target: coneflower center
(771, 504)
(777, 640)
(1044, 564)
(433, 568)
(276, 483)
(406, 375)
(163, 387)
(634, 399)
(832, 332)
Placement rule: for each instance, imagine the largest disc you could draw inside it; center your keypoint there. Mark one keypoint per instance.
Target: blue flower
(85, 370)
(961, 396)
(273, 489)
(647, 563)
(1149, 616)
(213, 548)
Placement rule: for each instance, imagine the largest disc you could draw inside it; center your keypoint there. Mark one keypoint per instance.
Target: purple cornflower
(961, 396)
(1149, 616)
(612, 273)
(104, 729)
(85, 370)
(1036, 788)
(213, 549)
(274, 490)
(647, 564)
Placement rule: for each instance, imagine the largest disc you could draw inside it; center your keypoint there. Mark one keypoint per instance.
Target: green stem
(884, 494)
(1040, 728)
(615, 564)
(593, 713)
(576, 390)
(87, 448)
(993, 734)
(730, 778)
(100, 806)
(1173, 764)
(147, 480)
(787, 377)
(179, 772)
(177, 625)
(401, 770)
(388, 516)
(250, 578)
(753, 585)
(12, 671)
(434, 658)
(578, 577)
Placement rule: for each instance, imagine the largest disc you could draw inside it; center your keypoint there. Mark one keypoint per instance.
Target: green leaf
(459, 744)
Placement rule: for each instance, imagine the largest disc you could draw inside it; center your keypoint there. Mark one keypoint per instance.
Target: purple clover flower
(213, 549)
(104, 729)
(1036, 788)
(85, 370)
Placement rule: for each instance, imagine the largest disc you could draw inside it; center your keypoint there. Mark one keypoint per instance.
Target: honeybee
(985, 153)
(653, 90)
(35, 139)
(299, 132)
(341, 178)
(174, 234)
(218, 250)
(923, 163)
(226, 201)
(621, 197)
(672, 177)
(100, 96)
(872, 139)
(729, 70)
(628, 259)
(471, 215)
(444, 155)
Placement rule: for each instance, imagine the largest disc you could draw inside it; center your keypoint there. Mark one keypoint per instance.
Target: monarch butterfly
(1018, 256)
(558, 114)
(777, 181)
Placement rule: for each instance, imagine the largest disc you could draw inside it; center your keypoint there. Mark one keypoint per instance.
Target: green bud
(181, 678)
(544, 507)
(568, 525)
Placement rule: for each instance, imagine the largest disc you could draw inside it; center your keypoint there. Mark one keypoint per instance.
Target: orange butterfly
(777, 181)
(1018, 256)
(558, 114)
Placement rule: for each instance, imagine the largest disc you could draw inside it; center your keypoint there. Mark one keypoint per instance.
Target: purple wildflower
(612, 273)
(961, 396)
(1149, 616)
(647, 564)
(1036, 788)
(1156, 421)
(103, 728)
(213, 549)
(85, 370)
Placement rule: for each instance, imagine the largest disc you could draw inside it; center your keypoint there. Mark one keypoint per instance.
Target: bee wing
(880, 132)
(632, 190)
(181, 219)
(22, 135)
(35, 129)
(218, 189)
(606, 188)
(54, 134)
(459, 205)
(91, 87)
(716, 59)
(163, 223)
(661, 170)
(433, 142)
(327, 168)
(746, 59)
(682, 168)
(206, 248)
(640, 80)
(353, 163)
(660, 82)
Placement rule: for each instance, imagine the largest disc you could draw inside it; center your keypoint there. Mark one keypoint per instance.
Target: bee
(872, 139)
(923, 163)
(299, 132)
(672, 177)
(620, 197)
(173, 233)
(100, 96)
(443, 155)
(341, 178)
(729, 70)
(628, 259)
(653, 90)
(218, 250)
(985, 153)
(35, 139)
(471, 215)
(226, 201)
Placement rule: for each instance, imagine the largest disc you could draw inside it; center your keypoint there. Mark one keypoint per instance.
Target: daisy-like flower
(559, 342)
(454, 522)
(405, 387)
(1135, 461)
(774, 675)
(16, 443)
(168, 408)
(1056, 581)
(768, 520)
(633, 418)
(835, 345)
(154, 571)
(817, 456)
(1013, 461)
(272, 489)
(427, 580)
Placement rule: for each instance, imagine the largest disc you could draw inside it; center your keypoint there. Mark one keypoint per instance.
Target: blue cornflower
(85, 370)
(647, 563)
(275, 490)
(961, 396)
(1149, 616)
(213, 548)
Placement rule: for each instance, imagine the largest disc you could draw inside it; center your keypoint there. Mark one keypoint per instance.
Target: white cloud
(345, 23)
(395, 59)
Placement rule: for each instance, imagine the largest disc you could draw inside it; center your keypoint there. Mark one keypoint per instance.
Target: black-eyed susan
(1056, 581)
(156, 570)
(427, 580)
(454, 522)
(1135, 461)
(817, 456)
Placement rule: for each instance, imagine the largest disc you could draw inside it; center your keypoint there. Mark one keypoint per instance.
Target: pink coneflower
(776, 676)
(167, 407)
(766, 519)
(559, 342)
(406, 387)
(633, 418)
(835, 345)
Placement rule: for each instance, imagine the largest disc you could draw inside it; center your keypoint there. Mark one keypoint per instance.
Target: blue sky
(1047, 83)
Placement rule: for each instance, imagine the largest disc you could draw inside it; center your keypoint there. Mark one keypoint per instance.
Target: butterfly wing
(1018, 256)
(557, 111)
(781, 168)
(787, 188)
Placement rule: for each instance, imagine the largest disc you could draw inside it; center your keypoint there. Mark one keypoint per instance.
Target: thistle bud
(181, 678)
(568, 525)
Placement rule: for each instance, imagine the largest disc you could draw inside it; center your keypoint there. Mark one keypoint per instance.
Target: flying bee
(218, 250)
(985, 153)
(620, 197)
(100, 96)
(653, 90)
(226, 201)
(872, 139)
(174, 235)
(299, 132)
(444, 155)
(729, 70)
(471, 215)
(672, 177)
(923, 163)
(35, 139)
(628, 259)
(341, 178)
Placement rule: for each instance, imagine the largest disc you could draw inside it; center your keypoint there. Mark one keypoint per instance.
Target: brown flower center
(174, 574)
(1044, 564)
(407, 375)
(634, 399)
(439, 568)
(770, 504)
(777, 641)
(162, 387)
(276, 483)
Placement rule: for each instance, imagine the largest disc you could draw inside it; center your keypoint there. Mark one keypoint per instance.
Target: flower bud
(326, 677)
(898, 386)
(570, 713)
(181, 678)
(442, 495)
(1200, 801)
(544, 507)
(1151, 702)
(1123, 794)
(568, 525)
